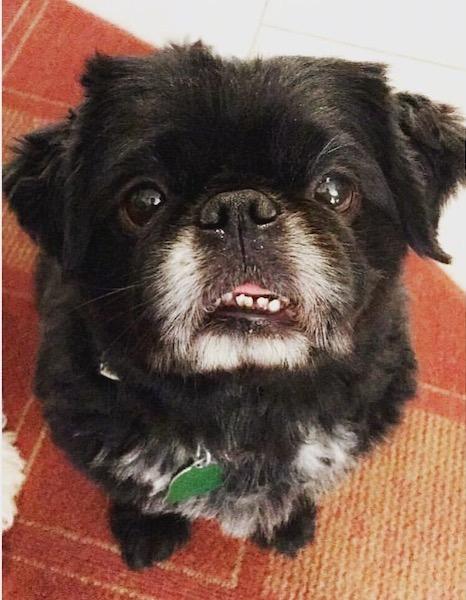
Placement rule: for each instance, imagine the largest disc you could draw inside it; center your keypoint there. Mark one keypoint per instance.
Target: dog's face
(225, 215)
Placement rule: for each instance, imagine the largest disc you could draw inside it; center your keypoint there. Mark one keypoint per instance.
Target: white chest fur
(320, 460)
(324, 457)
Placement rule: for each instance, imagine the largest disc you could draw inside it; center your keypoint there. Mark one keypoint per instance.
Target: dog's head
(225, 214)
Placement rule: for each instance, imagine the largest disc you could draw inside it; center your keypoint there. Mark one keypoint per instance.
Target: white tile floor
(422, 42)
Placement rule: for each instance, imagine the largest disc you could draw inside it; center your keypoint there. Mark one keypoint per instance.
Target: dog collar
(105, 371)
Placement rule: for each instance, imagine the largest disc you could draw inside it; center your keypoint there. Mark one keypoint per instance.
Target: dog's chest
(247, 501)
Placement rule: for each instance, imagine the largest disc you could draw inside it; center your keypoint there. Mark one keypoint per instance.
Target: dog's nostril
(263, 210)
(213, 214)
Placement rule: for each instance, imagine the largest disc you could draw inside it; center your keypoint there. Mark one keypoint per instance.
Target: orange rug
(392, 531)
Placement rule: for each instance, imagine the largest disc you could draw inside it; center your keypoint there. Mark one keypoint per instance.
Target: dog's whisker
(102, 297)
(127, 329)
(113, 292)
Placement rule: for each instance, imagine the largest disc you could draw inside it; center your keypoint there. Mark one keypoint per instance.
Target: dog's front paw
(147, 539)
(294, 534)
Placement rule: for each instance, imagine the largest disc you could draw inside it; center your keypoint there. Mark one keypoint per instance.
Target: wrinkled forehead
(267, 142)
(264, 123)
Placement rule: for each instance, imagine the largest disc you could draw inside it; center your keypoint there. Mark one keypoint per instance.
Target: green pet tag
(202, 477)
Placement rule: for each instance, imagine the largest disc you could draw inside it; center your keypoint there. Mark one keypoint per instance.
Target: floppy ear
(34, 183)
(435, 138)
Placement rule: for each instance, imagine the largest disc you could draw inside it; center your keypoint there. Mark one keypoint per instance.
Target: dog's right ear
(34, 183)
(434, 138)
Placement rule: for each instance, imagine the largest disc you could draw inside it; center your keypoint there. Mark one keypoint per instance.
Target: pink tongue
(251, 289)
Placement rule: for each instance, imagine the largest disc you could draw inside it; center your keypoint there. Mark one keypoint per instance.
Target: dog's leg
(295, 533)
(147, 539)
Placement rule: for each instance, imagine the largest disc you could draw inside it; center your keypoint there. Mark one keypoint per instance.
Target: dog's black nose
(229, 208)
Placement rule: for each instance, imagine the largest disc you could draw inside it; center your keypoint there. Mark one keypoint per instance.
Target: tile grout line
(258, 28)
(369, 48)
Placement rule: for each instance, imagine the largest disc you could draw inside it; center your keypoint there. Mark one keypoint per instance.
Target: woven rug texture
(393, 530)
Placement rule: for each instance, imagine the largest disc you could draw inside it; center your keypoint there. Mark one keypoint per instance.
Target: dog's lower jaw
(217, 352)
(213, 351)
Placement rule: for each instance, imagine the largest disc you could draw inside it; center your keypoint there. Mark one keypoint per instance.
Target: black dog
(223, 321)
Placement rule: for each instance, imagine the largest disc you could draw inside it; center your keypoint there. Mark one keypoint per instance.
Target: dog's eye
(336, 191)
(140, 205)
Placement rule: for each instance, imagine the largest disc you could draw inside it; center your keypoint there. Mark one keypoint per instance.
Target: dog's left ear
(34, 185)
(434, 138)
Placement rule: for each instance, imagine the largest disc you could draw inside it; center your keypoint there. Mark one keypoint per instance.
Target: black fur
(200, 126)
(298, 531)
(147, 539)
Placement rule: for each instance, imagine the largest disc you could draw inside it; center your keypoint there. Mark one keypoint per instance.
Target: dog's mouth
(251, 302)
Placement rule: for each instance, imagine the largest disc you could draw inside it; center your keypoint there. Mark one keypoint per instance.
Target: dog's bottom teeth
(226, 298)
(274, 306)
(262, 303)
(250, 304)
(241, 300)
